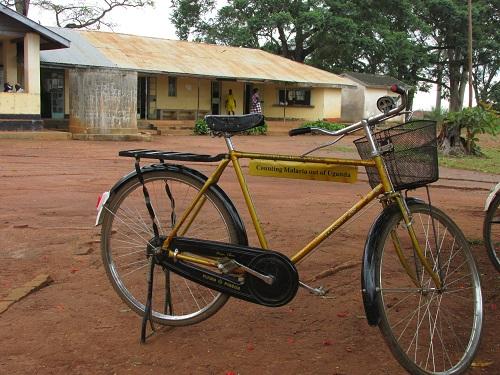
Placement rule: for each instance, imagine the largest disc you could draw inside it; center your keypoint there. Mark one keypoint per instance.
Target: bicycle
(491, 226)
(419, 281)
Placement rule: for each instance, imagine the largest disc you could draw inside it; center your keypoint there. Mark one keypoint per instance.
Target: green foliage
(417, 41)
(332, 126)
(200, 127)
(436, 114)
(475, 121)
(259, 130)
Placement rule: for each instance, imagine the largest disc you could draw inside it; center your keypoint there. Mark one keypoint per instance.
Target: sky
(154, 22)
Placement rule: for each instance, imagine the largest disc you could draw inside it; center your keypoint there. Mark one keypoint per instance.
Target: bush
(259, 130)
(201, 128)
(475, 121)
(332, 126)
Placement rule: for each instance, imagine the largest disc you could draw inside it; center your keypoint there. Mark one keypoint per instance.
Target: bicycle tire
(126, 230)
(429, 331)
(491, 231)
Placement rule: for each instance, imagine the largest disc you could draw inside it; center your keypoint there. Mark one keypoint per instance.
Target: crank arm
(267, 279)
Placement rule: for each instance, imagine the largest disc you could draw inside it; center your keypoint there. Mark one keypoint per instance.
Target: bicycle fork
(408, 220)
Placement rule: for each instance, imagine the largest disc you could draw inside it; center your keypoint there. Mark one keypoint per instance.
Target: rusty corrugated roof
(146, 54)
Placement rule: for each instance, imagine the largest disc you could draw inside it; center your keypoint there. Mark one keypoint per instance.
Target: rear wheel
(127, 233)
(491, 232)
(429, 331)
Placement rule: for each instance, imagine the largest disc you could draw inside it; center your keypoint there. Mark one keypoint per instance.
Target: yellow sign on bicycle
(304, 171)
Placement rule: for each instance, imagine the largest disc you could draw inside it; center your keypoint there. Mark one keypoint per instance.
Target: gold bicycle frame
(385, 187)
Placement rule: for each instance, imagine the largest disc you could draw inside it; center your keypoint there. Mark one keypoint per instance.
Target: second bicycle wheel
(429, 331)
(491, 231)
(127, 232)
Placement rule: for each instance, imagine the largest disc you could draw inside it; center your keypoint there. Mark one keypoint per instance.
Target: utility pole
(469, 6)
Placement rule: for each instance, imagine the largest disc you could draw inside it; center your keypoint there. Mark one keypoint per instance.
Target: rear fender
(240, 227)
(368, 271)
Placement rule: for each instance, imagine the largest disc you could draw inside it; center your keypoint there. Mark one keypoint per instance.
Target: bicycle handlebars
(358, 125)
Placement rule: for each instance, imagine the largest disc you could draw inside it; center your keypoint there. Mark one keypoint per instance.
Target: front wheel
(429, 331)
(127, 237)
(491, 231)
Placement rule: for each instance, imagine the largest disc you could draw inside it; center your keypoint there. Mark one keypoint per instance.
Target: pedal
(319, 291)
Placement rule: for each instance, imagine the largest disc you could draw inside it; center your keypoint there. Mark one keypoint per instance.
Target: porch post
(198, 102)
(32, 63)
(284, 106)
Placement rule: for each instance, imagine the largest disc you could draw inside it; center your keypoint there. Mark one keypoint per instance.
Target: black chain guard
(243, 286)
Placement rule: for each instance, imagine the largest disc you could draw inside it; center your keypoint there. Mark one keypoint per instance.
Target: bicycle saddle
(233, 124)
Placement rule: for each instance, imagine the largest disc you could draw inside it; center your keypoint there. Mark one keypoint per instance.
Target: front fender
(493, 192)
(240, 227)
(368, 270)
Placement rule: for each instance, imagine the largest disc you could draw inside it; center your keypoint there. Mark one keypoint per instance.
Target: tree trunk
(22, 7)
(463, 84)
(439, 89)
(438, 98)
(455, 73)
(409, 104)
(449, 140)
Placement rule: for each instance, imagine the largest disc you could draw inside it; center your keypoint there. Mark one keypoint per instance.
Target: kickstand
(148, 311)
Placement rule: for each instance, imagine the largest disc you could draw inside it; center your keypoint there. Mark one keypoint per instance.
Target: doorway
(248, 97)
(52, 95)
(146, 98)
(215, 97)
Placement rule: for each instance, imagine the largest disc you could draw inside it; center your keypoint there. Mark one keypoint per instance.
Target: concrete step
(56, 124)
(36, 135)
(112, 137)
(20, 125)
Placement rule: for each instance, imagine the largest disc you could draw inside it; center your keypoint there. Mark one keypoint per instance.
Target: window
(294, 97)
(172, 86)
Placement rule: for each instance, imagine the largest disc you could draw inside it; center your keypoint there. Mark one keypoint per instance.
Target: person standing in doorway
(256, 107)
(230, 103)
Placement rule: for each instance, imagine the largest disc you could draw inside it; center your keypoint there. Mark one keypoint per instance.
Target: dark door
(52, 93)
(216, 90)
(141, 98)
(248, 97)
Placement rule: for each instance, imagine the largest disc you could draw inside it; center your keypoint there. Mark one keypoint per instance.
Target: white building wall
(353, 103)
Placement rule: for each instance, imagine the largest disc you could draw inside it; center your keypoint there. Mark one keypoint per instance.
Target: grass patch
(342, 148)
(489, 163)
(475, 241)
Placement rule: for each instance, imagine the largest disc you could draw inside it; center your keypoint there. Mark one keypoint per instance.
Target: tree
(335, 35)
(289, 28)
(447, 43)
(486, 56)
(78, 13)
(21, 6)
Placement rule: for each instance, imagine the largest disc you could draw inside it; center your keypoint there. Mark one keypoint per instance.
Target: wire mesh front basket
(409, 151)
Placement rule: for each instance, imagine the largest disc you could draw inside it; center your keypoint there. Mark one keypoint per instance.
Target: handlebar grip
(299, 131)
(397, 89)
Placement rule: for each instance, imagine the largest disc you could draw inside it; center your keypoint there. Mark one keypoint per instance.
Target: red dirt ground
(79, 325)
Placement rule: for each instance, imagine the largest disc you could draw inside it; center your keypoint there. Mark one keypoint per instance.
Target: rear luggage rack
(170, 155)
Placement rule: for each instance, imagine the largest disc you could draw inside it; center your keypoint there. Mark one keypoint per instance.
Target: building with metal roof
(182, 58)
(180, 81)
